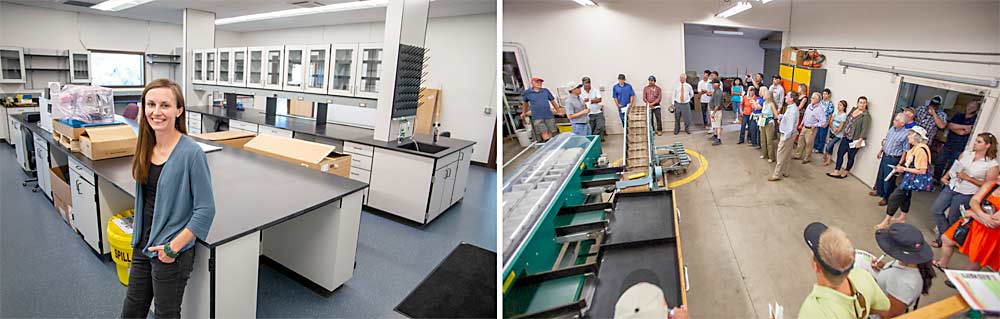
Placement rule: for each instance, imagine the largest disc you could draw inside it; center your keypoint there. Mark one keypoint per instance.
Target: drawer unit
(193, 116)
(358, 149)
(360, 175)
(264, 129)
(242, 126)
(445, 161)
(194, 125)
(84, 172)
(361, 161)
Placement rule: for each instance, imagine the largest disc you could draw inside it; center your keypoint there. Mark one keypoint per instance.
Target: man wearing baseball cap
(592, 97)
(576, 111)
(624, 96)
(541, 102)
(931, 117)
(651, 94)
(840, 290)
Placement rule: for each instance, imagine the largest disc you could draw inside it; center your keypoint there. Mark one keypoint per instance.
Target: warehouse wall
(564, 41)
(462, 64)
(723, 54)
(971, 26)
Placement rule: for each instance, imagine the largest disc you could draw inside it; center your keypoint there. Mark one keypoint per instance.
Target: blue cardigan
(184, 199)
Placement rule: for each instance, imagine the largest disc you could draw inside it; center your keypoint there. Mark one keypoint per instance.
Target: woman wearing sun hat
(911, 273)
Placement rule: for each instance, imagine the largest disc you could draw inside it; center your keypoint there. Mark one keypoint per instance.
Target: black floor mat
(463, 285)
(640, 217)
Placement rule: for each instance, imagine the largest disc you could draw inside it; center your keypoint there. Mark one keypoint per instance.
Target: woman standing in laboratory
(173, 203)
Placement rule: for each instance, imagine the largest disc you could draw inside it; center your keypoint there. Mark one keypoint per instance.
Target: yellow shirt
(824, 302)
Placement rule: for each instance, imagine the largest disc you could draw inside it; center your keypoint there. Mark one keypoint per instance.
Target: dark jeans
(845, 148)
(822, 133)
(944, 162)
(704, 112)
(882, 187)
(945, 208)
(899, 200)
(745, 128)
(149, 278)
(754, 133)
(656, 119)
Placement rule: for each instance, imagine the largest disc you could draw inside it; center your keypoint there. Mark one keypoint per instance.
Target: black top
(148, 200)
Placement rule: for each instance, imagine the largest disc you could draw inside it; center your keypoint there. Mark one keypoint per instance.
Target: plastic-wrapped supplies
(89, 104)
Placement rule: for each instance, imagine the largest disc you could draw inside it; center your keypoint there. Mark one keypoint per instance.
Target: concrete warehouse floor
(742, 235)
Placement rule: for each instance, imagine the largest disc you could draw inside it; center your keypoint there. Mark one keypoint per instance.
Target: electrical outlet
(488, 110)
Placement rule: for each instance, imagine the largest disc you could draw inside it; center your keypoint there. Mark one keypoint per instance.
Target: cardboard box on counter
(313, 155)
(103, 142)
(61, 196)
(66, 135)
(229, 138)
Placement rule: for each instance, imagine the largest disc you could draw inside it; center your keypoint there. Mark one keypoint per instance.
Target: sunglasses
(860, 306)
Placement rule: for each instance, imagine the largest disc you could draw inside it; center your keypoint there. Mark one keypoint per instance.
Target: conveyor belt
(641, 217)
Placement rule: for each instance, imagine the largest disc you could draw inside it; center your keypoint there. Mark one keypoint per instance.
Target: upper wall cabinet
(370, 71)
(238, 67)
(225, 70)
(11, 65)
(343, 68)
(317, 63)
(273, 67)
(294, 68)
(211, 66)
(79, 67)
(255, 67)
(199, 67)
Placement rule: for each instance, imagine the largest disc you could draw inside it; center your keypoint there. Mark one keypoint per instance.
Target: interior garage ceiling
(171, 11)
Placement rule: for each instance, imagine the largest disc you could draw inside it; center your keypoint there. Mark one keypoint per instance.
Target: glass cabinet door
(344, 59)
(273, 78)
(239, 67)
(79, 67)
(11, 65)
(255, 75)
(199, 66)
(293, 68)
(316, 71)
(224, 66)
(371, 69)
(210, 66)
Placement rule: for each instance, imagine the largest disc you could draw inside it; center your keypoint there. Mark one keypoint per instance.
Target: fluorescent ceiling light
(118, 5)
(339, 7)
(765, 1)
(734, 9)
(724, 32)
(585, 3)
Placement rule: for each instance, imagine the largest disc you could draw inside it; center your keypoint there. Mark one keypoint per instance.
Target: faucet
(434, 134)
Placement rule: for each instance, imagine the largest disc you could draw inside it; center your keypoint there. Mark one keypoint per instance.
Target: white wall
(462, 64)
(723, 54)
(634, 38)
(38, 28)
(960, 26)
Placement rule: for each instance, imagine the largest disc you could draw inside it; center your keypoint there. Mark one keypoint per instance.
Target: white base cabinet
(415, 187)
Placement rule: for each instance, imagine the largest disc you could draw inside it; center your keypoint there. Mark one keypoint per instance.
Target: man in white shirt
(704, 86)
(682, 105)
(777, 91)
(592, 98)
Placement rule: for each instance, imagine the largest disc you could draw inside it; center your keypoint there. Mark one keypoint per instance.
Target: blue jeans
(754, 133)
(944, 162)
(829, 146)
(621, 114)
(745, 128)
(736, 108)
(882, 187)
(948, 200)
(822, 133)
(582, 129)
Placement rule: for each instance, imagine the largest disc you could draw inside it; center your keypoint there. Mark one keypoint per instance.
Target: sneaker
(770, 161)
(675, 133)
(717, 142)
(773, 179)
(736, 121)
(762, 157)
(738, 143)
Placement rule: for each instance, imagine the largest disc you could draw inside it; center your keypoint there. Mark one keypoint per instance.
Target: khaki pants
(784, 155)
(806, 140)
(767, 140)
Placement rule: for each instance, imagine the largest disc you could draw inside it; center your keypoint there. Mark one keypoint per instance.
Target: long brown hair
(147, 139)
(991, 153)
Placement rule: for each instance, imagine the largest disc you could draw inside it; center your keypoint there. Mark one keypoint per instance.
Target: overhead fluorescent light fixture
(118, 5)
(765, 1)
(339, 7)
(585, 3)
(724, 32)
(734, 9)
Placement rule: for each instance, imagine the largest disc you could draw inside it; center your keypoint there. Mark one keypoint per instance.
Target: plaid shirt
(895, 141)
(926, 120)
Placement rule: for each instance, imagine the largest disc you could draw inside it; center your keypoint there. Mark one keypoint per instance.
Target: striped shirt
(896, 142)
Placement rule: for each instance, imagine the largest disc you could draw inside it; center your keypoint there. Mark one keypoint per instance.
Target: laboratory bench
(306, 222)
(416, 179)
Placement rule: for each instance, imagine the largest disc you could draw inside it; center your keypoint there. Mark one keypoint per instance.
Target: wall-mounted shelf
(321, 98)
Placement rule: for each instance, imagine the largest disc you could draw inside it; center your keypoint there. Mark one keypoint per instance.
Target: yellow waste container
(120, 236)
